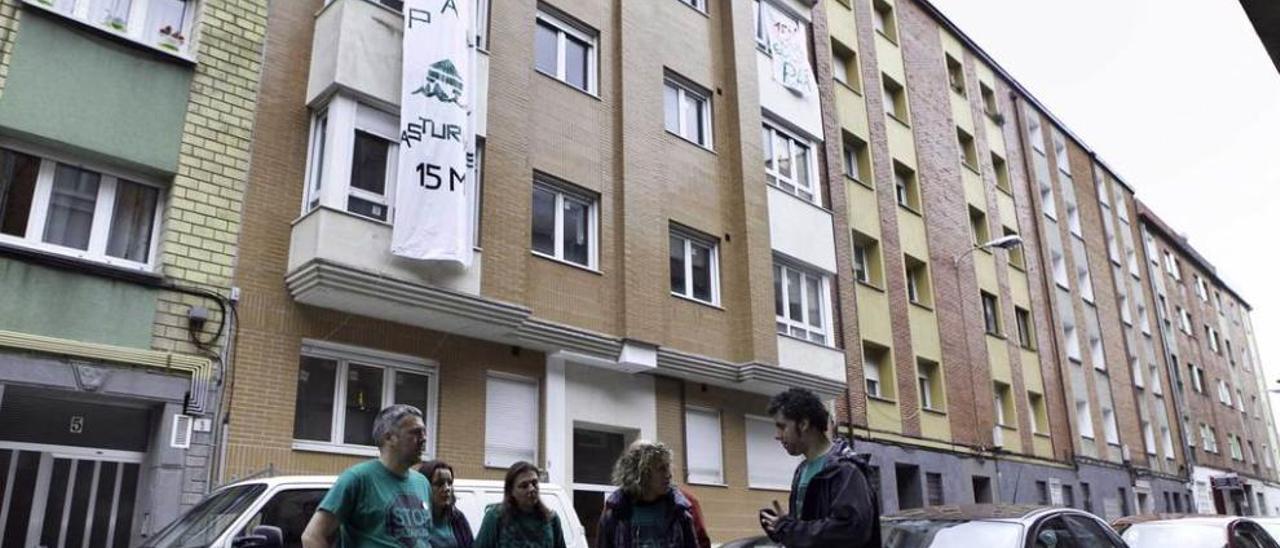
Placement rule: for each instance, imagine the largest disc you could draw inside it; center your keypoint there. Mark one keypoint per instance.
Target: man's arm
(320, 530)
(849, 523)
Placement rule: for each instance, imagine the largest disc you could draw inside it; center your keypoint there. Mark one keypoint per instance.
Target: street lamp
(1004, 242)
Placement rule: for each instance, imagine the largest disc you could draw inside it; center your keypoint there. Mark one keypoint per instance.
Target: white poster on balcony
(790, 56)
(435, 178)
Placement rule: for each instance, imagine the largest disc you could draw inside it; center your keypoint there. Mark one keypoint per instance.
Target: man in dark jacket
(831, 503)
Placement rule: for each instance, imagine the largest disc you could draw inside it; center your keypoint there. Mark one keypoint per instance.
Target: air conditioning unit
(181, 436)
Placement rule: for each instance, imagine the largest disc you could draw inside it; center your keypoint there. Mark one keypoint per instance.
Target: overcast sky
(1180, 99)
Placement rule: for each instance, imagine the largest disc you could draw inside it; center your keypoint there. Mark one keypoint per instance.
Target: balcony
(801, 230)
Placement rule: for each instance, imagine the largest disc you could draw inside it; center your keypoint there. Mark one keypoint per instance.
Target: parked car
(1271, 524)
(997, 526)
(231, 516)
(1193, 531)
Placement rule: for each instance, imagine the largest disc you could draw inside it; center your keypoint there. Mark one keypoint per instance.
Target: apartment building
(124, 147)
(1229, 430)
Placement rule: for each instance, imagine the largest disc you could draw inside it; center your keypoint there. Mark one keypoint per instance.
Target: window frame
(928, 385)
(104, 209)
(501, 376)
(689, 238)
(895, 94)
(856, 155)
(781, 267)
(344, 355)
(991, 313)
(719, 420)
(884, 21)
(562, 191)
(699, 5)
(906, 188)
(1026, 328)
(135, 28)
(684, 88)
(566, 28)
(793, 139)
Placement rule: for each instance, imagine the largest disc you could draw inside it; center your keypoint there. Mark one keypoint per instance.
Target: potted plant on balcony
(171, 39)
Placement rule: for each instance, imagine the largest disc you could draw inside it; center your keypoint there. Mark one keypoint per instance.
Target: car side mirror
(263, 536)
(1047, 538)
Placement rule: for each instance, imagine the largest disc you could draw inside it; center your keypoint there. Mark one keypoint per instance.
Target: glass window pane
(369, 163)
(576, 231)
(802, 166)
(671, 108)
(575, 62)
(768, 149)
(313, 415)
(544, 221)
(693, 117)
(777, 290)
(701, 258)
(813, 287)
(165, 23)
(368, 208)
(17, 188)
(544, 54)
(364, 400)
(795, 307)
(75, 195)
(113, 14)
(783, 147)
(677, 265)
(317, 161)
(135, 213)
(412, 389)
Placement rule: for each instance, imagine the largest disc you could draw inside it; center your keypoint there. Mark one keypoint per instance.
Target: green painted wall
(94, 94)
(56, 303)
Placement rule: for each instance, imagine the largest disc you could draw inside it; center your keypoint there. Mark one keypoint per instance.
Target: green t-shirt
(377, 508)
(520, 531)
(442, 534)
(649, 524)
(809, 470)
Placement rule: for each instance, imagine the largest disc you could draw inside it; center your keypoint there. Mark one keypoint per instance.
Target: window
(1084, 419)
(933, 488)
(687, 110)
(978, 227)
(1224, 393)
(876, 367)
(866, 260)
(371, 168)
(1004, 406)
(968, 150)
(1060, 153)
(702, 446)
(882, 20)
(765, 14)
(1072, 335)
(699, 5)
(564, 222)
(565, 51)
(1210, 438)
(844, 66)
(1084, 282)
(1166, 440)
(164, 24)
(990, 106)
(1200, 289)
(1059, 263)
(1184, 319)
(695, 266)
(857, 159)
(1109, 426)
(800, 302)
(1213, 339)
(70, 210)
(510, 420)
(928, 381)
(288, 509)
(1026, 331)
(1039, 413)
(1017, 257)
(955, 74)
(906, 189)
(788, 164)
(919, 288)
(768, 464)
(1001, 169)
(895, 99)
(1197, 377)
(991, 313)
(1234, 444)
(1148, 438)
(342, 388)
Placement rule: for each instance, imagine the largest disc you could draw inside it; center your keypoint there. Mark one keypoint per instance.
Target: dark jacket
(840, 506)
(615, 523)
(461, 528)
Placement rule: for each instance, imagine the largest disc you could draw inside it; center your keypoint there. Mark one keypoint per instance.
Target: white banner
(790, 56)
(435, 176)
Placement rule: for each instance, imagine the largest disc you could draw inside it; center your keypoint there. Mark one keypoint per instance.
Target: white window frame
(136, 27)
(1197, 379)
(793, 141)
(1109, 426)
(700, 5)
(871, 374)
(684, 91)
(493, 462)
(331, 156)
(1084, 419)
(1000, 395)
(704, 444)
(563, 192)
(824, 307)
(784, 483)
(104, 210)
(861, 264)
(344, 355)
(924, 383)
(564, 30)
(689, 238)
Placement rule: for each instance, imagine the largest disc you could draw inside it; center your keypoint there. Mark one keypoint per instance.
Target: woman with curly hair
(521, 521)
(449, 527)
(646, 511)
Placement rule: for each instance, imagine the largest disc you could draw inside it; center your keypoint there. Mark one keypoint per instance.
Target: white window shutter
(703, 446)
(768, 464)
(510, 422)
(181, 436)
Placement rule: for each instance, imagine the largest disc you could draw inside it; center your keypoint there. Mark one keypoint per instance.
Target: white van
(228, 516)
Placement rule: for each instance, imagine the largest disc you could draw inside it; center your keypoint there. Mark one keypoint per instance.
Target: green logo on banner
(443, 83)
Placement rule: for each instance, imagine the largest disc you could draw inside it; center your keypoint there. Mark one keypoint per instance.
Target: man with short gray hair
(383, 502)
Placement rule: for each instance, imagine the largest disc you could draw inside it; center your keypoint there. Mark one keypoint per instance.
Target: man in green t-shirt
(383, 502)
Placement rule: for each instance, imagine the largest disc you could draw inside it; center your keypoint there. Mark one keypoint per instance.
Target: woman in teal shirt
(521, 521)
(449, 527)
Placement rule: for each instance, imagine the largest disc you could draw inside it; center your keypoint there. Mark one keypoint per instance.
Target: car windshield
(1182, 535)
(928, 533)
(202, 525)
(1272, 527)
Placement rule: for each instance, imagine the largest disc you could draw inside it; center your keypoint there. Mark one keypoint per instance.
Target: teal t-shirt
(442, 534)
(648, 524)
(377, 508)
(520, 531)
(809, 469)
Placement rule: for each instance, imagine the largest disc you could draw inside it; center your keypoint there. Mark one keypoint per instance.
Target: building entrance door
(64, 497)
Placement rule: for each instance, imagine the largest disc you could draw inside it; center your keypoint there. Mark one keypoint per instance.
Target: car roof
(276, 481)
(1178, 519)
(972, 512)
